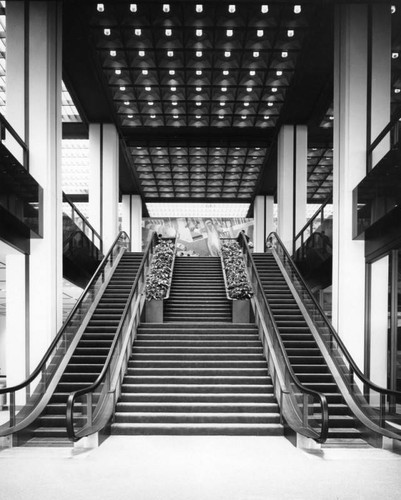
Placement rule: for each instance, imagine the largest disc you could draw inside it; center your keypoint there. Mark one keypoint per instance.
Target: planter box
(154, 311)
(241, 311)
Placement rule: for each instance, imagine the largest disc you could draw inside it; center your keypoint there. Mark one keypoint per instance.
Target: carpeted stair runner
(303, 352)
(90, 354)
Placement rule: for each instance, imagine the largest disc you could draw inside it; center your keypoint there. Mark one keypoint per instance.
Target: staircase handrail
(284, 375)
(309, 224)
(85, 221)
(170, 280)
(393, 123)
(61, 337)
(115, 365)
(337, 345)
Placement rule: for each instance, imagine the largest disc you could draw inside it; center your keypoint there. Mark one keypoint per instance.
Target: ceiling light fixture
(297, 9)
(264, 9)
(175, 117)
(249, 89)
(227, 53)
(145, 72)
(256, 53)
(133, 7)
(126, 103)
(395, 55)
(113, 53)
(198, 53)
(199, 32)
(198, 103)
(173, 89)
(174, 103)
(246, 104)
(284, 54)
(153, 116)
(199, 72)
(226, 72)
(229, 32)
(107, 31)
(274, 89)
(224, 89)
(270, 104)
(222, 104)
(290, 33)
(100, 7)
(199, 8)
(199, 89)
(170, 53)
(150, 103)
(198, 117)
(259, 33)
(243, 117)
(122, 89)
(231, 8)
(252, 72)
(166, 7)
(117, 71)
(138, 31)
(279, 72)
(393, 9)
(221, 117)
(168, 32)
(266, 117)
(130, 116)
(141, 53)
(397, 91)
(171, 72)
(148, 89)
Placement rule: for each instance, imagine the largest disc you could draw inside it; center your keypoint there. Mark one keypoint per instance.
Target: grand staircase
(90, 353)
(197, 291)
(197, 373)
(303, 352)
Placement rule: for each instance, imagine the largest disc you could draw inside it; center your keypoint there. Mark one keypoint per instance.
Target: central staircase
(197, 373)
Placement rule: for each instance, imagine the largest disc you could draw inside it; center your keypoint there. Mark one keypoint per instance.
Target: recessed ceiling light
(170, 53)
(100, 7)
(117, 71)
(133, 7)
(395, 55)
(130, 116)
(175, 116)
(274, 89)
(199, 72)
(173, 89)
(171, 72)
(174, 103)
(199, 8)
(153, 116)
(107, 31)
(198, 53)
(249, 89)
(227, 53)
(145, 72)
(224, 89)
(284, 54)
(199, 32)
(138, 31)
(297, 9)
(279, 73)
(226, 72)
(221, 117)
(141, 53)
(113, 53)
(290, 33)
(331, 117)
(126, 103)
(168, 32)
(166, 7)
(231, 9)
(122, 89)
(150, 103)
(260, 33)
(264, 9)
(397, 91)
(252, 72)
(198, 117)
(266, 117)
(270, 104)
(198, 103)
(246, 104)
(243, 117)
(222, 103)
(256, 53)
(148, 89)
(199, 89)
(393, 9)
(229, 32)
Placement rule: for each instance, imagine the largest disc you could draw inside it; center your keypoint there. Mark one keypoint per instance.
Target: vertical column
(44, 109)
(104, 181)
(34, 110)
(291, 182)
(349, 168)
(132, 220)
(263, 221)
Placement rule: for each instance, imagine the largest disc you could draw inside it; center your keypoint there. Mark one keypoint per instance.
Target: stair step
(198, 417)
(198, 429)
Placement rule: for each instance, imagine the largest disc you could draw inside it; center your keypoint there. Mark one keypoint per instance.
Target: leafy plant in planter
(238, 285)
(158, 279)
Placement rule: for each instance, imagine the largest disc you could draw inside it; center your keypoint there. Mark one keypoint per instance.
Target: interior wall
(2, 345)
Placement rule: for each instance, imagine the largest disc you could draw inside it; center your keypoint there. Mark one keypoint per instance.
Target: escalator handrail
(55, 341)
(90, 388)
(323, 400)
(314, 216)
(333, 332)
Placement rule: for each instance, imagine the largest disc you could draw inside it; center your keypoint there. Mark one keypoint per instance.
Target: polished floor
(195, 468)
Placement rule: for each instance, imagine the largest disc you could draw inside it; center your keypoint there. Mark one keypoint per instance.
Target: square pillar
(263, 221)
(132, 220)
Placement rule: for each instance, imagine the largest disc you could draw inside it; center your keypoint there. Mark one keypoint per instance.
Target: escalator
(73, 390)
(354, 411)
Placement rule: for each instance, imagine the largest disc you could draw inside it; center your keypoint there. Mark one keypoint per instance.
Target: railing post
(89, 412)
(12, 409)
(305, 410)
(382, 409)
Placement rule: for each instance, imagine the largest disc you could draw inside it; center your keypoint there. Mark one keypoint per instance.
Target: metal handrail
(105, 373)
(84, 221)
(334, 337)
(53, 346)
(286, 368)
(4, 123)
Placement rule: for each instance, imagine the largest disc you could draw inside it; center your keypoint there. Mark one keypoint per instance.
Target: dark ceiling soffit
(75, 130)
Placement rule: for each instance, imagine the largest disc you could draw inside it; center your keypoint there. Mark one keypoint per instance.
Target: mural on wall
(197, 237)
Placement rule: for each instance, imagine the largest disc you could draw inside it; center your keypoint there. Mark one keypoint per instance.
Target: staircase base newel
(241, 311)
(154, 311)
